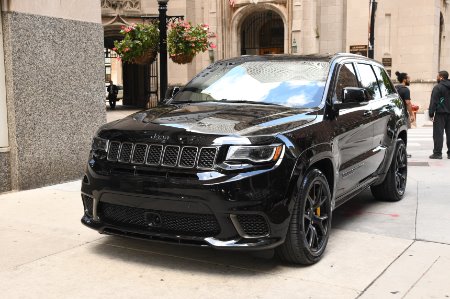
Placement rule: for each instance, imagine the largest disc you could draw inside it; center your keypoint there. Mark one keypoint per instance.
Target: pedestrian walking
(439, 112)
(405, 94)
(112, 94)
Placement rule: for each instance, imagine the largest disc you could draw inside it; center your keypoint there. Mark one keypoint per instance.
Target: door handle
(368, 113)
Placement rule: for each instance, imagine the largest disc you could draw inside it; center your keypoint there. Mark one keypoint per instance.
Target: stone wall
(55, 95)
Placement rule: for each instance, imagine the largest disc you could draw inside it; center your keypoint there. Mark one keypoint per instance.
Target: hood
(216, 119)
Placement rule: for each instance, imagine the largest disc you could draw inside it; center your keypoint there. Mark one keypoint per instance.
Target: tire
(310, 224)
(394, 184)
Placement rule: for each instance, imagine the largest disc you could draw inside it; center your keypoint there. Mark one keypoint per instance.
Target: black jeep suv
(254, 153)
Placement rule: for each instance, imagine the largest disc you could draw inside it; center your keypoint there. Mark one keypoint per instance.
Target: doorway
(262, 33)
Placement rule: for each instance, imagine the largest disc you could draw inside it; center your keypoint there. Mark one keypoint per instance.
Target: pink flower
(128, 29)
(118, 58)
(126, 50)
(213, 46)
(114, 49)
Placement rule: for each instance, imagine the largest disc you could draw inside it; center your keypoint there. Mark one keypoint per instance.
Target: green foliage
(185, 39)
(138, 39)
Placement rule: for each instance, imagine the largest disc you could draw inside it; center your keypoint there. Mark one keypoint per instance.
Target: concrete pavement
(376, 250)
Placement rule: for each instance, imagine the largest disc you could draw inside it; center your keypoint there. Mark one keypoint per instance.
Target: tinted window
(383, 81)
(369, 81)
(346, 78)
(292, 83)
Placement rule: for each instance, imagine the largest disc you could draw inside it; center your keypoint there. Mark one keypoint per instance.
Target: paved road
(377, 250)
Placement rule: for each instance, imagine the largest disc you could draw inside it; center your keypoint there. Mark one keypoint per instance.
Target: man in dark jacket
(112, 90)
(439, 111)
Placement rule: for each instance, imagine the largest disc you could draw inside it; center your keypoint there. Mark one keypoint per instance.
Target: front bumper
(227, 211)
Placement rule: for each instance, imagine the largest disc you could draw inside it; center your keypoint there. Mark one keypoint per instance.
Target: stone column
(309, 27)
(5, 178)
(297, 34)
(55, 88)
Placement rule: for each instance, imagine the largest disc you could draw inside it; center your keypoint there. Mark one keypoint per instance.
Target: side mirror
(352, 97)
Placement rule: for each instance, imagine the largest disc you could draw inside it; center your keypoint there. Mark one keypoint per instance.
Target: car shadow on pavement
(186, 258)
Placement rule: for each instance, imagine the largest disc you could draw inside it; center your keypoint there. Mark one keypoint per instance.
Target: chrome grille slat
(162, 155)
(125, 152)
(154, 154)
(140, 150)
(207, 157)
(113, 151)
(188, 157)
(170, 157)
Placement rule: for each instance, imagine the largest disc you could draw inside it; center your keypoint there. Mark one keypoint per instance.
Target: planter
(147, 58)
(182, 58)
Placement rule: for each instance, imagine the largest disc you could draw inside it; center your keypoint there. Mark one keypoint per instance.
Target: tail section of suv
(255, 152)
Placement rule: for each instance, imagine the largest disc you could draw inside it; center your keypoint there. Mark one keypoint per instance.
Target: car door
(353, 134)
(383, 110)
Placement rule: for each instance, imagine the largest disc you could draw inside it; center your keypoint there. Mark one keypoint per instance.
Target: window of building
(346, 78)
(369, 81)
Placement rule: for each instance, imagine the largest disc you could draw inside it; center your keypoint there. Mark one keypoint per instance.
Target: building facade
(410, 35)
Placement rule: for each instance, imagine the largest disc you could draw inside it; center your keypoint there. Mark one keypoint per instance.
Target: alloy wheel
(401, 169)
(315, 216)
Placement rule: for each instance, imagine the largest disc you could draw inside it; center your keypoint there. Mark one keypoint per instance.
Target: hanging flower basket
(182, 58)
(145, 59)
(184, 41)
(139, 45)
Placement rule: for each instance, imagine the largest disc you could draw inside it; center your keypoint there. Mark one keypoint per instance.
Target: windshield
(298, 84)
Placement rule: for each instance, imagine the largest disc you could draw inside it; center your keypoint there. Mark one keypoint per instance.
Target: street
(376, 249)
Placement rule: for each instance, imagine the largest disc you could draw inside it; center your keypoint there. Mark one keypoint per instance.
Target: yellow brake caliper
(318, 211)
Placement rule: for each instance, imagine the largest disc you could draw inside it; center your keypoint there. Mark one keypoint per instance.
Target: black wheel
(112, 103)
(310, 223)
(394, 185)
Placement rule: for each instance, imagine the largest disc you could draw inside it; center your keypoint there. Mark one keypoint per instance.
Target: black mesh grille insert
(162, 155)
(88, 204)
(253, 225)
(171, 155)
(113, 150)
(170, 222)
(207, 157)
(188, 156)
(139, 153)
(154, 154)
(125, 152)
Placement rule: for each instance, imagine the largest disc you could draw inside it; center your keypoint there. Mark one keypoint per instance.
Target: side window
(383, 81)
(369, 81)
(346, 78)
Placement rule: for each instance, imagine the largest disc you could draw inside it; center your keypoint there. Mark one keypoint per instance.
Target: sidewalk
(376, 250)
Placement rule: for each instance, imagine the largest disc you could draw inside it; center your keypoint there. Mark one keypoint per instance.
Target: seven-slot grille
(168, 156)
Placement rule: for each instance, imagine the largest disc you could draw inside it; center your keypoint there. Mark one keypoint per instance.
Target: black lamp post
(162, 8)
(373, 11)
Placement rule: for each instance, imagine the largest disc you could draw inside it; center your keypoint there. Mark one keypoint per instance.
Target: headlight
(256, 154)
(100, 144)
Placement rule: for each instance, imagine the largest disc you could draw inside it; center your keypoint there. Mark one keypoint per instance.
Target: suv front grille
(188, 224)
(159, 155)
